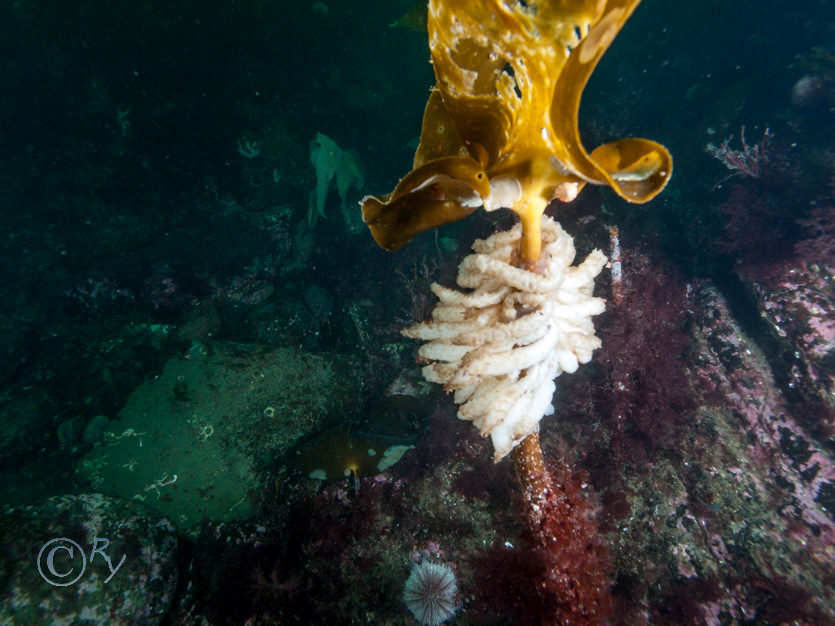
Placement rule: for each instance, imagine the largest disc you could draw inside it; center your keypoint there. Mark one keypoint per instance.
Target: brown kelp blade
(439, 192)
(509, 80)
(637, 169)
(438, 135)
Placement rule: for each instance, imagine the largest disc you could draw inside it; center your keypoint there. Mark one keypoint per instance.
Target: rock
(282, 322)
(799, 304)
(25, 422)
(319, 301)
(192, 443)
(95, 428)
(86, 559)
(70, 430)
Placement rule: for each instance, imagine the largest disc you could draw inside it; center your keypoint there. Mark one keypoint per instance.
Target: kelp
(509, 79)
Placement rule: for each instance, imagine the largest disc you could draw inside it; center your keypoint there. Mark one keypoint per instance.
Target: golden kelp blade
(600, 167)
(510, 77)
(638, 169)
(440, 192)
(445, 186)
(438, 136)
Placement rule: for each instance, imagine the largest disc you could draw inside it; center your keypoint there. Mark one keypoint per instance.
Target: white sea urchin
(431, 593)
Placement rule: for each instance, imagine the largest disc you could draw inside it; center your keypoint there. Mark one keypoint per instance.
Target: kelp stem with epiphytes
(500, 128)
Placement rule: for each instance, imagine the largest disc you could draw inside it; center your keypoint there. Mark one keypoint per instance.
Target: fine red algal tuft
(576, 582)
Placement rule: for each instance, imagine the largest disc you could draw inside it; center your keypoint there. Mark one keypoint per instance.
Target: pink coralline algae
(818, 248)
(721, 509)
(799, 474)
(800, 304)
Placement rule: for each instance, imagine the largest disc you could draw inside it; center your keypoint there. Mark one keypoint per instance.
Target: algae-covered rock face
(501, 124)
(86, 559)
(192, 442)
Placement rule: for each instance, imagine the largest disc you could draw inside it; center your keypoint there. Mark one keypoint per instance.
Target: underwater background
(200, 357)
